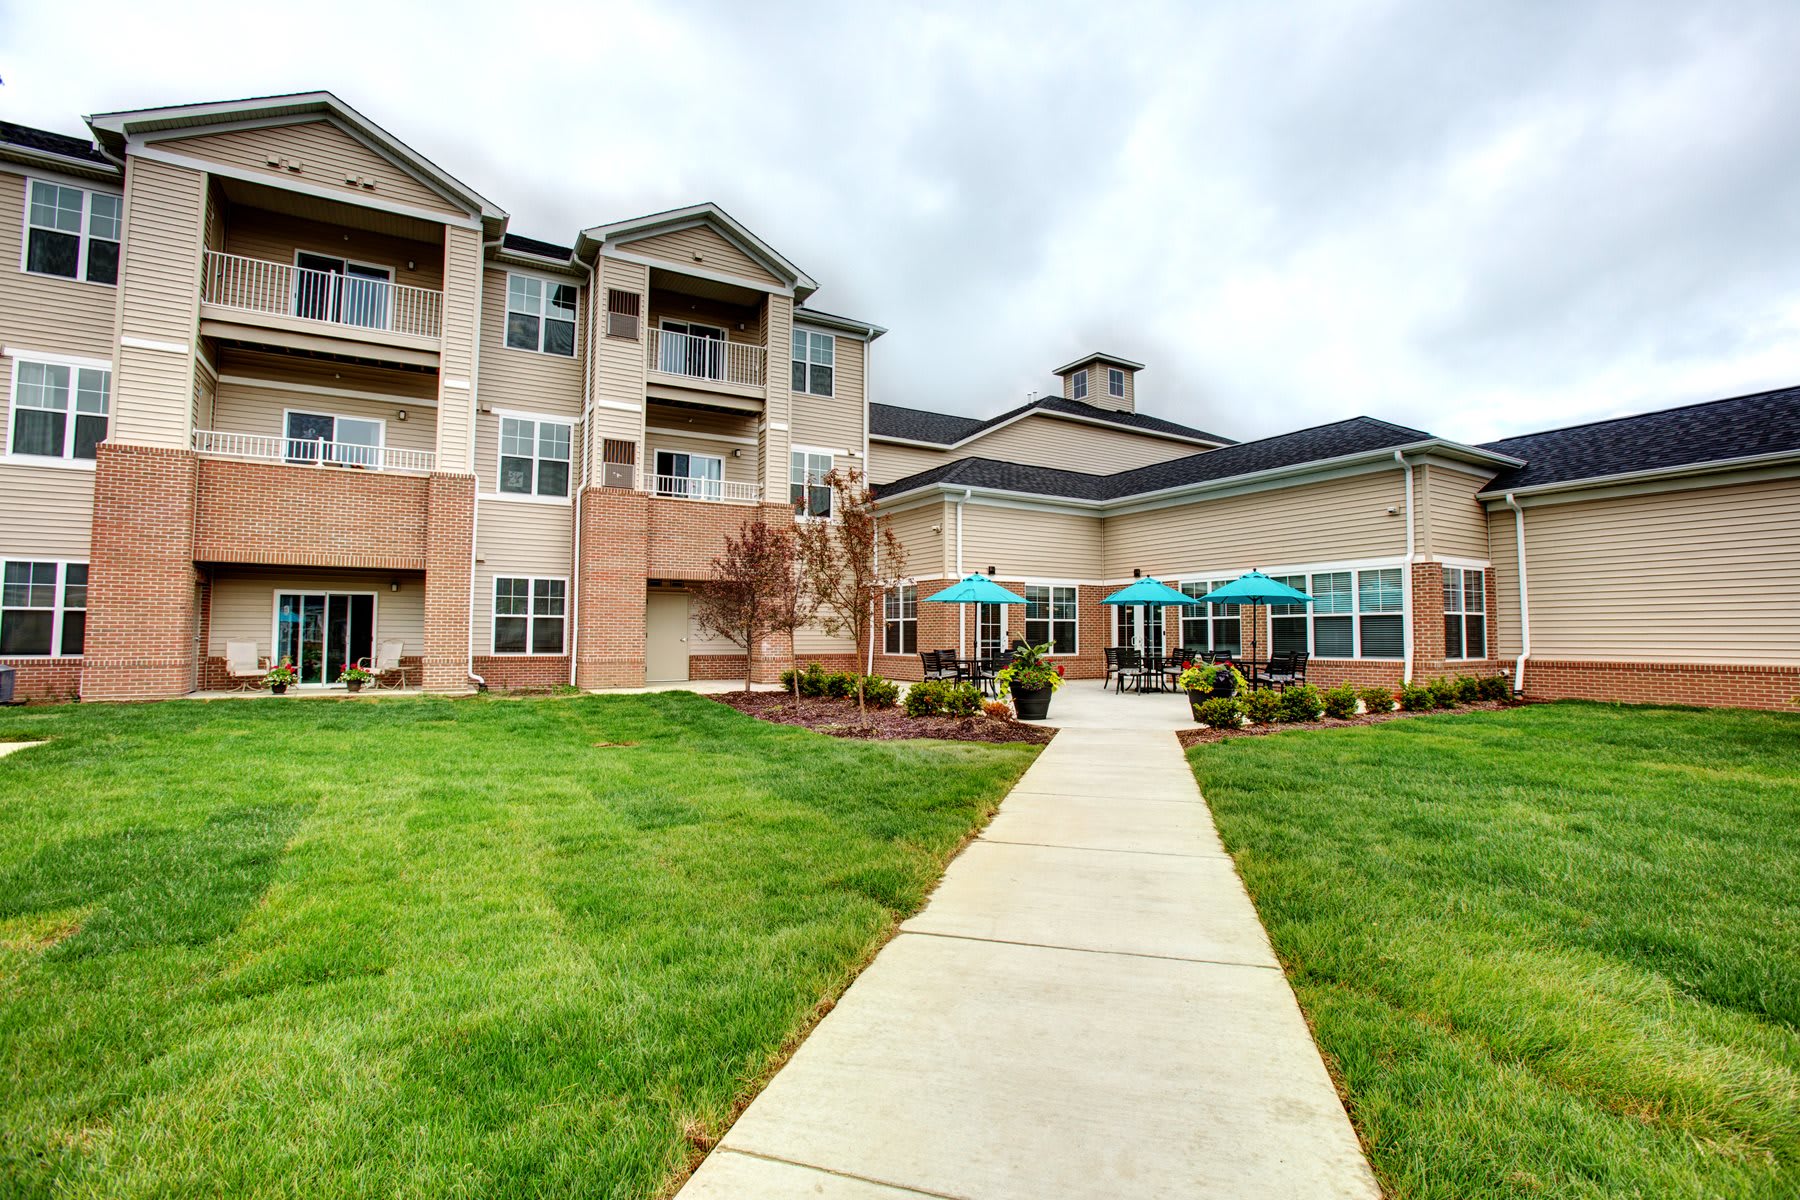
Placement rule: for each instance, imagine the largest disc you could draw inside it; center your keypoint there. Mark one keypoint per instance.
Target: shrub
(999, 710)
(962, 700)
(1468, 689)
(812, 680)
(1376, 699)
(1221, 712)
(1340, 702)
(1262, 706)
(1443, 691)
(1414, 698)
(1300, 702)
(926, 698)
(1494, 687)
(879, 692)
(840, 685)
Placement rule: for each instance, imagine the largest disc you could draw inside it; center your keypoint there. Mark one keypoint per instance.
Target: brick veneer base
(215, 678)
(502, 672)
(1664, 683)
(45, 678)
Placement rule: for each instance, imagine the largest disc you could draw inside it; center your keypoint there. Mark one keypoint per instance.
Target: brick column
(142, 587)
(615, 556)
(449, 546)
(1428, 621)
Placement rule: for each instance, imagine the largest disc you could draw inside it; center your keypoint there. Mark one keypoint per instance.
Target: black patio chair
(1112, 665)
(935, 665)
(1131, 665)
(1279, 672)
(1299, 666)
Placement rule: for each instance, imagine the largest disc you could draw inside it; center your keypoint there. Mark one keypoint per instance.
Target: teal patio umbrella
(1252, 589)
(974, 589)
(1148, 591)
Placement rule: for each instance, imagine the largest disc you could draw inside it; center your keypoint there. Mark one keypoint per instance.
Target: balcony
(690, 357)
(311, 452)
(716, 491)
(363, 304)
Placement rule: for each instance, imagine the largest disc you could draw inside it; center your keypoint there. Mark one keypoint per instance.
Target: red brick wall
(686, 535)
(310, 516)
(142, 608)
(450, 510)
(1664, 683)
(609, 650)
(504, 671)
(45, 678)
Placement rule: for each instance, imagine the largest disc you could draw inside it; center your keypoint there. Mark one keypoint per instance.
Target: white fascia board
(42, 164)
(705, 213)
(866, 331)
(646, 260)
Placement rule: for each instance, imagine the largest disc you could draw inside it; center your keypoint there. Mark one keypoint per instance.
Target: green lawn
(431, 947)
(1549, 952)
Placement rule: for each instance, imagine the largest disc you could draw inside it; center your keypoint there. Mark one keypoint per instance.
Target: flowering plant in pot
(281, 676)
(353, 677)
(1029, 680)
(1209, 681)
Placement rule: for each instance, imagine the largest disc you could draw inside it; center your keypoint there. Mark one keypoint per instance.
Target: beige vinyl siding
(675, 306)
(1703, 575)
(1019, 542)
(1457, 527)
(618, 364)
(1073, 446)
(888, 462)
(47, 511)
(456, 364)
(326, 154)
(242, 605)
(926, 552)
(518, 538)
(522, 381)
(153, 389)
(276, 237)
(246, 408)
(1335, 521)
(778, 408)
(41, 312)
(1502, 542)
(836, 421)
(206, 389)
(702, 248)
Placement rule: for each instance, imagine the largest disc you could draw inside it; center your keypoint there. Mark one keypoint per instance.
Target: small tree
(755, 591)
(848, 563)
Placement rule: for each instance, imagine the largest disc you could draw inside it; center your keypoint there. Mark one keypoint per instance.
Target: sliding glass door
(322, 632)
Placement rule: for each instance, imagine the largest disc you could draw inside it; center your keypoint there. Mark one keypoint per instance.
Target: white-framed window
(1465, 612)
(313, 437)
(900, 612)
(534, 456)
(1050, 617)
(807, 490)
(990, 629)
(1115, 382)
(1214, 627)
(1077, 389)
(72, 232)
(814, 360)
(60, 409)
(43, 608)
(530, 614)
(1127, 634)
(680, 473)
(540, 315)
(1354, 614)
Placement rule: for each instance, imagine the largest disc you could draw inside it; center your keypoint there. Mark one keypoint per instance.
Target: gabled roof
(524, 245)
(1341, 442)
(710, 214)
(895, 423)
(1098, 356)
(114, 128)
(1757, 426)
(825, 320)
(43, 144)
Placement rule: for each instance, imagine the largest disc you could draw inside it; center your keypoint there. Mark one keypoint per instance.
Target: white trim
(56, 610)
(618, 405)
(701, 437)
(809, 364)
(547, 281)
(1524, 597)
(1464, 564)
(138, 343)
(72, 412)
(723, 223)
(87, 190)
(457, 385)
(521, 498)
(1051, 620)
(1079, 388)
(669, 264)
(536, 419)
(1120, 372)
(62, 360)
(529, 617)
(35, 460)
(778, 426)
(316, 389)
(1487, 619)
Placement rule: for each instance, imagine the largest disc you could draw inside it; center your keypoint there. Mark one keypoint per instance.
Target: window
(622, 313)
(534, 457)
(32, 620)
(528, 615)
(325, 437)
(815, 355)
(1050, 617)
(679, 473)
(1343, 621)
(1214, 627)
(72, 232)
(807, 490)
(59, 410)
(1078, 388)
(540, 315)
(1465, 613)
(1115, 382)
(1125, 622)
(990, 629)
(901, 613)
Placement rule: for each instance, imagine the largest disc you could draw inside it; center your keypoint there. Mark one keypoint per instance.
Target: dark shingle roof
(525, 245)
(45, 142)
(1741, 427)
(1359, 435)
(944, 429)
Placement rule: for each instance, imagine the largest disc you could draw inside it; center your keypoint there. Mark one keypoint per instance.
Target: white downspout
(1524, 598)
(962, 610)
(587, 449)
(1406, 588)
(474, 417)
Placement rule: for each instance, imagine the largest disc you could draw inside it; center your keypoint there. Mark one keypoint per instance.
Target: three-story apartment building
(273, 377)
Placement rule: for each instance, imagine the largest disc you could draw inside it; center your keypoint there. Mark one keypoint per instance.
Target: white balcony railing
(260, 286)
(310, 452)
(696, 357)
(686, 487)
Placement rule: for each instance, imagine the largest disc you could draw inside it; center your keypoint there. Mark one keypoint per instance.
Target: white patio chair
(385, 665)
(244, 667)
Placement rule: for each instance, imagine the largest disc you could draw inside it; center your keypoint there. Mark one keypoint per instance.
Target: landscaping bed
(1206, 733)
(840, 718)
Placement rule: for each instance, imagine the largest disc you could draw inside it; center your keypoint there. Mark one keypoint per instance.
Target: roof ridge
(1654, 412)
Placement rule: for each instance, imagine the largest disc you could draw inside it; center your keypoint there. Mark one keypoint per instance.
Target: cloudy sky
(1479, 219)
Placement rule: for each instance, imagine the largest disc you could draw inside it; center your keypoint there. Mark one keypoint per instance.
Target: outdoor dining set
(1128, 669)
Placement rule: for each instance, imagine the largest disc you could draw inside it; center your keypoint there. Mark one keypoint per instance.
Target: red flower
(1059, 671)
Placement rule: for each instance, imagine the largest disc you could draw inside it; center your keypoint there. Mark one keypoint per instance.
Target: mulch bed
(1197, 737)
(839, 718)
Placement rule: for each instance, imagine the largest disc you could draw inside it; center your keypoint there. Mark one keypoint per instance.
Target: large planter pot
(353, 685)
(280, 689)
(1032, 704)
(1197, 697)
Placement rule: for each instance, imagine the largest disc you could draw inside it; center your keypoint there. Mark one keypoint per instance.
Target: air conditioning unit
(620, 475)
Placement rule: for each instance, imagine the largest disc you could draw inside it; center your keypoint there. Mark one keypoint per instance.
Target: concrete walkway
(1087, 1007)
